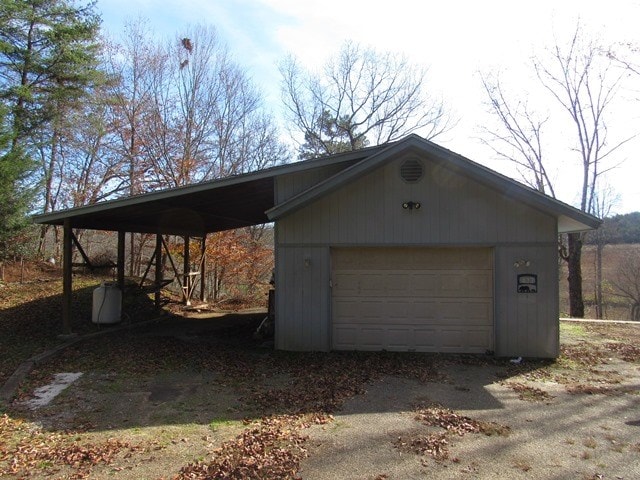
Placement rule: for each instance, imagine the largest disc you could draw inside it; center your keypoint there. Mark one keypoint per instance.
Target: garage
(412, 299)
(404, 246)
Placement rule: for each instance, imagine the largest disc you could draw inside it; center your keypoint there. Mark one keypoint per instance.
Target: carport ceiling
(178, 212)
(194, 210)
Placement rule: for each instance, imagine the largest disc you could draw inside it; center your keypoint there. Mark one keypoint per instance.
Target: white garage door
(412, 299)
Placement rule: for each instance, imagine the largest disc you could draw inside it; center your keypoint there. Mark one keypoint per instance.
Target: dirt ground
(199, 398)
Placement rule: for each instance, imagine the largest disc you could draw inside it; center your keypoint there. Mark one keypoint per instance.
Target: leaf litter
(436, 445)
(315, 386)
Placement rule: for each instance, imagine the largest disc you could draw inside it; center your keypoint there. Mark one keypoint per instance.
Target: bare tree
(362, 97)
(519, 136)
(583, 80)
(129, 65)
(92, 170)
(207, 119)
(627, 285)
(603, 203)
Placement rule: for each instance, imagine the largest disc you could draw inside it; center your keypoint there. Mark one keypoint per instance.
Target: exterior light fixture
(411, 205)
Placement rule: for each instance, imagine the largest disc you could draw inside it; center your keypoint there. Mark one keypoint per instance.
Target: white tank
(107, 304)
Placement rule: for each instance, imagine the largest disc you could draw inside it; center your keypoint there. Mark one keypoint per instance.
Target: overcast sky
(454, 39)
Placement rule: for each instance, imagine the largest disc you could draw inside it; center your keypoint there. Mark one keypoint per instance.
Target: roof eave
(567, 224)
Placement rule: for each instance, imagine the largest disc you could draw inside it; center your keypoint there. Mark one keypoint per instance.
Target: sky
(456, 40)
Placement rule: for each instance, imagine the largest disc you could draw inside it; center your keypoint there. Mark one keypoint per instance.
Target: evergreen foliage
(14, 195)
(48, 56)
(620, 229)
(48, 62)
(333, 136)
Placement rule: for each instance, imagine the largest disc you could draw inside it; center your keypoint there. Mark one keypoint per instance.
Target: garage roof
(570, 219)
(249, 199)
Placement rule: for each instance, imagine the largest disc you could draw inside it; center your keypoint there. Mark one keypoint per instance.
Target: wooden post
(203, 269)
(120, 261)
(67, 284)
(186, 269)
(158, 282)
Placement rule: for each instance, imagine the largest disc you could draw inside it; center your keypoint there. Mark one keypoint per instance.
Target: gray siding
(290, 185)
(527, 324)
(302, 298)
(455, 211)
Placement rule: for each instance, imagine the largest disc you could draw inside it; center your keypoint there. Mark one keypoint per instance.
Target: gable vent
(411, 170)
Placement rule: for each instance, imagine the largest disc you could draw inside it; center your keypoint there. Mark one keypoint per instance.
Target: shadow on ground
(197, 371)
(31, 316)
(205, 388)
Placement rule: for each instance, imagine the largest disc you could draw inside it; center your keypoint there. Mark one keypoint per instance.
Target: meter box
(527, 283)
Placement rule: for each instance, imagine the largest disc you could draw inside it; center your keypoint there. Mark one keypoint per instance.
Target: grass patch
(572, 329)
(218, 423)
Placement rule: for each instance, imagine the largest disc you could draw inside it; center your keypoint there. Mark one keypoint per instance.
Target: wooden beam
(120, 262)
(158, 282)
(186, 269)
(81, 250)
(67, 282)
(203, 269)
(146, 271)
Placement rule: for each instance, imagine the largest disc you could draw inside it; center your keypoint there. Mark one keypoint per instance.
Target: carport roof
(222, 204)
(249, 199)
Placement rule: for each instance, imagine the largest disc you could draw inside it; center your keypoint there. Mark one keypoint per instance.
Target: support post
(186, 269)
(158, 282)
(120, 261)
(67, 283)
(203, 269)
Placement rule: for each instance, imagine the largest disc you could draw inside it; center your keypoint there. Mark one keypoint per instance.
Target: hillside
(618, 229)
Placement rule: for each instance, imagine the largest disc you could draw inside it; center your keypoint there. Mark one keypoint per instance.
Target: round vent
(411, 170)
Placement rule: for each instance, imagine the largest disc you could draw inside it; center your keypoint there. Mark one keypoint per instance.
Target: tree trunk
(599, 299)
(42, 242)
(132, 255)
(576, 303)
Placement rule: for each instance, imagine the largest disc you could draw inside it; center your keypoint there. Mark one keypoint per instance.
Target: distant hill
(620, 229)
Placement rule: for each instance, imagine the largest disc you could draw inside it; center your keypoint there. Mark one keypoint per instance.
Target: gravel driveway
(566, 436)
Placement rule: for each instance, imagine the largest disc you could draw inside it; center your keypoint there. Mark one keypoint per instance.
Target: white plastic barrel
(107, 304)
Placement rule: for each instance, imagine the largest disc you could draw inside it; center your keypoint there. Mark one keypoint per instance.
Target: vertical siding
(455, 210)
(302, 298)
(527, 324)
(295, 183)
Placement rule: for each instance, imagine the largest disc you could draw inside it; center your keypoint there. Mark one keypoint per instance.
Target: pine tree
(48, 56)
(14, 196)
(48, 63)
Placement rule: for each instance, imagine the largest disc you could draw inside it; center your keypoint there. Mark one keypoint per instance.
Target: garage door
(412, 299)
